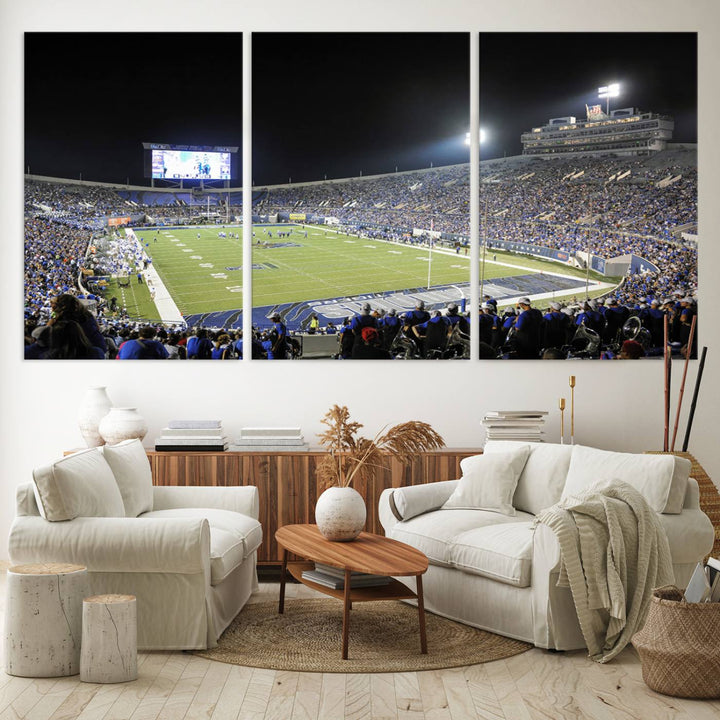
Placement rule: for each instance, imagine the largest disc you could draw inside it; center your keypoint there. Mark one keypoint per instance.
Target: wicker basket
(680, 646)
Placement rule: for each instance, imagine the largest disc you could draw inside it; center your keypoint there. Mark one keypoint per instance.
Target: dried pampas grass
(352, 457)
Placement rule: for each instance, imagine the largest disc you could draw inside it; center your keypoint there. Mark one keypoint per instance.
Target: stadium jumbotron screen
(191, 165)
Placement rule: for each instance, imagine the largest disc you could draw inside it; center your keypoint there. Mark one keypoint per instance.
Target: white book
(698, 589)
(269, 448)
(258, 432)
(190, 432)
(175, 424)
(194, 440)
(274, 440)
(515, 413)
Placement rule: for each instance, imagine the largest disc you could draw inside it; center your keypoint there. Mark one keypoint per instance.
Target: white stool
(43, 619)
(109, 639)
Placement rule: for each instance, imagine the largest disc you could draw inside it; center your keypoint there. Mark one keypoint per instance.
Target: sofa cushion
(542, 480)
(233, 536)
(660, 479)
(131, 468)
(227, 552)
(488, 482)
(501, 552)
(434, 533)
(79, 485)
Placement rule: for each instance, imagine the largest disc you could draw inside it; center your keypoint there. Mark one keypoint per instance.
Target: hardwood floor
(536, 685)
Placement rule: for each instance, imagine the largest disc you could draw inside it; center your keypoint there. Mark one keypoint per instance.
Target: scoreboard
(189, 162)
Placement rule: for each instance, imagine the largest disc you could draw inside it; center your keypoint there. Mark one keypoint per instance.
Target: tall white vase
(95, 406)
(340, 513)
(122, 424)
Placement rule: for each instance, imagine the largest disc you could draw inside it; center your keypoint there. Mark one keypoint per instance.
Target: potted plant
(340, 510)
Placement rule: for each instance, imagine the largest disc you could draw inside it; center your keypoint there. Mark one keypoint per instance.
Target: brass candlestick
(561, 404)
(572, 409)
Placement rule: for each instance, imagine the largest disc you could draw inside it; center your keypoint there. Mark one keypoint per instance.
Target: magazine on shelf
(340, 573)
(338, 583)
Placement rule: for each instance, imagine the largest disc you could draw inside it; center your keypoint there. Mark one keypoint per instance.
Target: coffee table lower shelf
(394, 590)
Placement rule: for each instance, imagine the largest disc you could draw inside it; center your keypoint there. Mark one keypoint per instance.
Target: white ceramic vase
(122, 424)
(95, 406)
(340, 513)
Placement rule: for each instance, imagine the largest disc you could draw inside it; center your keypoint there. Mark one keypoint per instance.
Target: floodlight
(482, 137)
(609, 91)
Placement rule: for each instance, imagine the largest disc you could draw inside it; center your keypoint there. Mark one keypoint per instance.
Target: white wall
(618, 405)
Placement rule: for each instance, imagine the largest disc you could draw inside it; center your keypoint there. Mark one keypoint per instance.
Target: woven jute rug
(709, 496)
(384, 637)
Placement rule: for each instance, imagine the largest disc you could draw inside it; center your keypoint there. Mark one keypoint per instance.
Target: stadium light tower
(608, 91)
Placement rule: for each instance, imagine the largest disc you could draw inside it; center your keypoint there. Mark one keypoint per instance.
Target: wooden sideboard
(286, 482)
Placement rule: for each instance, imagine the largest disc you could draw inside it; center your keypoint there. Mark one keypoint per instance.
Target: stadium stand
(609, 207)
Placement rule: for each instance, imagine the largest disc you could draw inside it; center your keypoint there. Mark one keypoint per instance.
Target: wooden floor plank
(358, 701)
(257, 695)
(282, 696)
(407, 696)
(481, 692)
(382, 697)
(233, 693)
(432, 694)
(332, 697)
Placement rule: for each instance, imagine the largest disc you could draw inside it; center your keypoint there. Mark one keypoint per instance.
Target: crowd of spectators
(609, 207)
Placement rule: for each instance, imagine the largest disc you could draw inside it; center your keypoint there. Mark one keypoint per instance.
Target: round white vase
(340, 513)
(122, 424)
(95, 406)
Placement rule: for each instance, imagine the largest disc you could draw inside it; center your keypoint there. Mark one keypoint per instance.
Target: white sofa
(187, 553)
(492, 569)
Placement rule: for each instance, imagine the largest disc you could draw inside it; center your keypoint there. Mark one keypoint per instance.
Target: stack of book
(259, 439)
(188, 435)
(519, 425)
(333, 577)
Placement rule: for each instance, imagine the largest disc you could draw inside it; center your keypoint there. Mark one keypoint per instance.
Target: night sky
(329, 104)
(528, 78)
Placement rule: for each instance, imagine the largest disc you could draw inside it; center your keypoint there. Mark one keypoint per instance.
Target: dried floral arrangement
(353, 457)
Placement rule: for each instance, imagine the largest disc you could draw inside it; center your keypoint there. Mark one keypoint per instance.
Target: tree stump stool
(43, 619)
(109, 639)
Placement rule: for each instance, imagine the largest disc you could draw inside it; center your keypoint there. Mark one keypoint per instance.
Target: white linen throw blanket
(614, 552)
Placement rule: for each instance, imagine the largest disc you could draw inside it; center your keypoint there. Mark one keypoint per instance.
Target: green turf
(203, 272)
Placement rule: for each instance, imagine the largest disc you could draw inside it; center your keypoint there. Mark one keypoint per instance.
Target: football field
(202, 267)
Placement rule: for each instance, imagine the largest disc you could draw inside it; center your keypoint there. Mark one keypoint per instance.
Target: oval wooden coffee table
(368, 553)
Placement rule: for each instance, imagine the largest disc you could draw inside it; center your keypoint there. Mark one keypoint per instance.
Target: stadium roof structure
(626, 131)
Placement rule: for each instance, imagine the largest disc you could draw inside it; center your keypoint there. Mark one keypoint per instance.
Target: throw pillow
(542, 480)
(488, 482)
(79, 485)
(660, 479)
(131, 468)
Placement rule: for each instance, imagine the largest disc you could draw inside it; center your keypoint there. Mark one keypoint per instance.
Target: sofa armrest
(242, 499)
(692, 495)
(177, 545)
(403, 503)
(25, 502)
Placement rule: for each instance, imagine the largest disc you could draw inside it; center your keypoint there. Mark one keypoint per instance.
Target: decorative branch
(352, 458)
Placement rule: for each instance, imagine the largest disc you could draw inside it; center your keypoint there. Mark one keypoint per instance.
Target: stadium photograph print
(361, 225)
(587, 236)
(588, 192)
